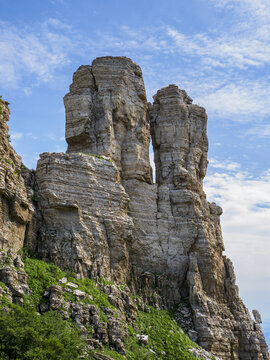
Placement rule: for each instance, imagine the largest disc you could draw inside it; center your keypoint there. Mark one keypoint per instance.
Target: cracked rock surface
(102, 215)
(16, 207)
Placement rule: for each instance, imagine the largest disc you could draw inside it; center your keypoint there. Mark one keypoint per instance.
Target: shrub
(26, 335)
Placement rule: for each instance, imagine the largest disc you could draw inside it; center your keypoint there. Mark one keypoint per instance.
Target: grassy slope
(166, 340)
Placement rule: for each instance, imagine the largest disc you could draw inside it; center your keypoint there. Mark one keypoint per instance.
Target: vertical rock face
(16, 209)
(85, 227)
(106, 115)
(194, 240)
(103, 216)
(178, 130)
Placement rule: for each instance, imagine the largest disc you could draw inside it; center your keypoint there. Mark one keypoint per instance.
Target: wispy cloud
(257, 9)
(242, 99)
(246, 228)
(25, 51)
(218, 60)
(260, 130)
(225, 165)
(16, 136)
(223, 50)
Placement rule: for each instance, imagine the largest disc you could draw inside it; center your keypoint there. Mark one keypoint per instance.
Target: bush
(26, 335)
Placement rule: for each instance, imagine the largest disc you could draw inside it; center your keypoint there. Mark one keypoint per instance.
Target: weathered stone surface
(257, 316)
(194, 245)
(12, 274)
(16, 208)
(106, 115)
(107, 219)
(202, 354)
(86, 226)
(88, 317)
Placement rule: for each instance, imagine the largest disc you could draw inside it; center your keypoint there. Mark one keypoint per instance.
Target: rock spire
(102, 216)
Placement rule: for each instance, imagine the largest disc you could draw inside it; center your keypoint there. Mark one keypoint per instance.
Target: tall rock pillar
(194, 242)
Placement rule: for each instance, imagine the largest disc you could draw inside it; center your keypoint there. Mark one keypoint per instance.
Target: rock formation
(86, 226)
(101, 215)
(16, 208)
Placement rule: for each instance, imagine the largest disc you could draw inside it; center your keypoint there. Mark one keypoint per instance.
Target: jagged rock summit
(101, 216)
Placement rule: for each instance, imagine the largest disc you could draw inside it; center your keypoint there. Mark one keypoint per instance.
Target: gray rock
(72, 285)
(63, 280)
(80, 295)
(144, 339)
(16, 207)
(102, 216)
(257, 316)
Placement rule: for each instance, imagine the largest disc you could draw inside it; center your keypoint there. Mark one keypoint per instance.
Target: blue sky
(217, 50)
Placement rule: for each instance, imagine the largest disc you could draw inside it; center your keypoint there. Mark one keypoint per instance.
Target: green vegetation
(42, 275)
(24, 334)
(98, 156)
(27, 335)
(166, 340)
(17, 172)
(35, 197)
(8, 161)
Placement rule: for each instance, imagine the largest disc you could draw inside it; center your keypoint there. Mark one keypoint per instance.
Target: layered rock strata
(107, 219)
(106, 115)
(85, 226)
(193, 244)
(16, 207)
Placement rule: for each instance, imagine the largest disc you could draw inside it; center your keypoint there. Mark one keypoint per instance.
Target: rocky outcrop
(13, 278)
(85, 226)
(102, 216)
(105, 327)
(108, 219)
(106, 115)
(16, 208)
(222, 322)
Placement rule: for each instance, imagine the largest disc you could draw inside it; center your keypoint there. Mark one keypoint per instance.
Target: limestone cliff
(102, 216)
(220, 319)
(16, 207)
(86, 226)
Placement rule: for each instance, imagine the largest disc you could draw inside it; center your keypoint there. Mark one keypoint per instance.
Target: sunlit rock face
(193, 242)
(16, 207)
(104, 217)
(106, 115)
(86, 226)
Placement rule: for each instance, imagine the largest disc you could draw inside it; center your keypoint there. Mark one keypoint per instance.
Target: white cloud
(16, 136)
(247, 99)
(260, 130)
(225, 165)
(27, 91)
(257, 9)
(232, 48)
(57, 24)
(216, 59)
(39, 53)
(246, 228)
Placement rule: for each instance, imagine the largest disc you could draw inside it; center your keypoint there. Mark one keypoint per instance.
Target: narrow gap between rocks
(152, 163)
